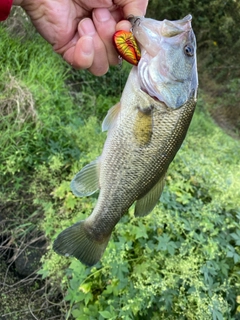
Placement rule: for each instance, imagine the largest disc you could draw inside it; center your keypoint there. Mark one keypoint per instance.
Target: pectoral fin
(146, 204)
(86, 181)
(111, 117)
(143, 125)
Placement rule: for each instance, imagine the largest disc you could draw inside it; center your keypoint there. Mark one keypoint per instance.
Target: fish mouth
(167, 28)
(176, 27)
(150, 33)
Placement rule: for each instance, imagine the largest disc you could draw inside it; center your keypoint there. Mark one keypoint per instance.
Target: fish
(145, 131)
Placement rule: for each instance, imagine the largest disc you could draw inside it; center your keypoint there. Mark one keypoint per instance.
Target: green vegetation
(180, 262)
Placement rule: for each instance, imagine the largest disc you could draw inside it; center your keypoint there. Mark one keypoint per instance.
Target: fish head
(167, 69)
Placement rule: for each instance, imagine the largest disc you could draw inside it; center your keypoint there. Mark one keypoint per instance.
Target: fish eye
(189, 50)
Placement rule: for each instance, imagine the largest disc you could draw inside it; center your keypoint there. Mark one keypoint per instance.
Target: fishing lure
(126, 46)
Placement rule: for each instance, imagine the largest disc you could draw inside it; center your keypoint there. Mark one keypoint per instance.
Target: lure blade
(126, 46)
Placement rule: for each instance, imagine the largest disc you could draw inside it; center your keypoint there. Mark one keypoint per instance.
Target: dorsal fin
(86, 181)
(111, 117)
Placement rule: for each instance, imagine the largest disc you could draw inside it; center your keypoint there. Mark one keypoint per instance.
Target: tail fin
(77, 242)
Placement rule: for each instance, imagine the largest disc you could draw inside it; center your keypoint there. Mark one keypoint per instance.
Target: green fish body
(145, 131)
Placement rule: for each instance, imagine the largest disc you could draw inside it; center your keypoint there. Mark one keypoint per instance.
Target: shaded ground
(228, 118)
(224, 103)
(23, 294)
(23, 299)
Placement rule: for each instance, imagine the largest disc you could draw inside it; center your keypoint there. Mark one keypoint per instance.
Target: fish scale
(145, 131)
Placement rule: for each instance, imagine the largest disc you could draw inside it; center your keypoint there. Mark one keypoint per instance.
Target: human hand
(80, 30)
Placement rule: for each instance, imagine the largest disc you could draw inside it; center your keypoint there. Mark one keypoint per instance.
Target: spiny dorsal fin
(86, 181)
(146, 204)
(143, 125)
(111, 117)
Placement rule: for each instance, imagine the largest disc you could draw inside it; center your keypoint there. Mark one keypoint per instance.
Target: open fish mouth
(174, 28)
(168, 28)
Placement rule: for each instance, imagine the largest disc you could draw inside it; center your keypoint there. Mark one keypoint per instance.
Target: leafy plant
(181, 261)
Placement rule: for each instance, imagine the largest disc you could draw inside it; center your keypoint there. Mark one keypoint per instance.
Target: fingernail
(102, 14)
(87, 28)
(87, 46)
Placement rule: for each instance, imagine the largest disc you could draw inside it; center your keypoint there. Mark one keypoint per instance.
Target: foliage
(180, 262)
(94, 90)
(28, 121)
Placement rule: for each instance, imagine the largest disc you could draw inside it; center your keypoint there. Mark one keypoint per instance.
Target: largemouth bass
(145, 130)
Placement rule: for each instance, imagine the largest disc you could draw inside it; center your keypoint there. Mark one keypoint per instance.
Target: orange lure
(126, 46)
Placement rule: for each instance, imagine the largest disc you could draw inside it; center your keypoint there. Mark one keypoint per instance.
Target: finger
(132, 7)
(123, 25)
(116, 13)
(100, 63)
(79, 52)
(105, 25)
(84, 53)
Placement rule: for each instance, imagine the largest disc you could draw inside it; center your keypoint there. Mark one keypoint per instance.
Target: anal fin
(146, 204)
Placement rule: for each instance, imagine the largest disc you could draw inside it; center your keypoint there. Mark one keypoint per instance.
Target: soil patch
(228, 118)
